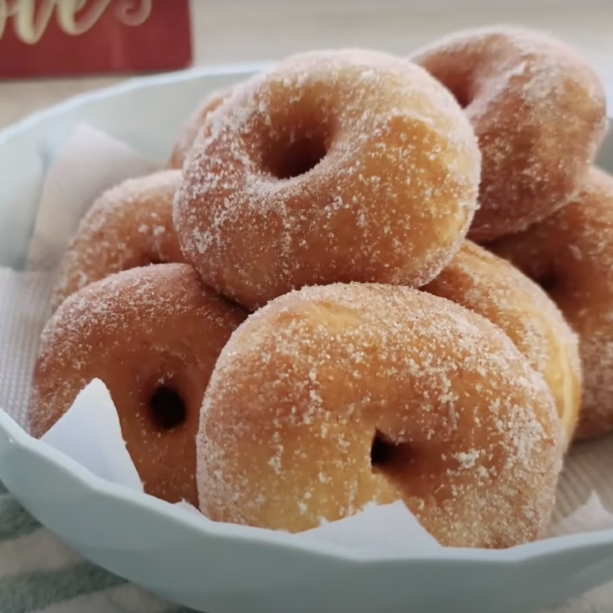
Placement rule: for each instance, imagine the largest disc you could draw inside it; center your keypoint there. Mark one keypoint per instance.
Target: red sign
(80, 37)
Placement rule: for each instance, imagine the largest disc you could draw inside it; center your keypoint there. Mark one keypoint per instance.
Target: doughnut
(349, 394)
(129, 226)
(539, 112)
(190, 130)
(496, 290)
(152, 335)
(571, 255)
(318, 171)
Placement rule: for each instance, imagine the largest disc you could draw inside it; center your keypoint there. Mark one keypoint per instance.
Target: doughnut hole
(549, 281)
(463, 90)
(169, 396)
(294, 141)
(459, 80)
(408, 468)
(389, 457)
(167, 408)
(294, 155)
(556, 280)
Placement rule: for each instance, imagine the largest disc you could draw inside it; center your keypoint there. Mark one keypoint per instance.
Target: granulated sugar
(129, 226)
(539, 111)
(475, 417)
(318, 171)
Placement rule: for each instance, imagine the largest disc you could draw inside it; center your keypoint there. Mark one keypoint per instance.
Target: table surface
(251, 30)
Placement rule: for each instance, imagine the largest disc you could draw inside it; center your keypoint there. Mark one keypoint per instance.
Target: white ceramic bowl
(224, 568)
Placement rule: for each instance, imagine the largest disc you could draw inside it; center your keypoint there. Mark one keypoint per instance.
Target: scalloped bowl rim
(29, 445)
(93, 483)
(127, 86)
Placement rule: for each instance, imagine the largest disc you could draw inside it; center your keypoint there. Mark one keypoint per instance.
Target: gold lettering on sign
(77, 16)
(29, 23)
(4, 16)
(134, 13)
(31, 18)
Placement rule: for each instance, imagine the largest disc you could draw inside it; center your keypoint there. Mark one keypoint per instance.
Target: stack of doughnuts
(361, 279)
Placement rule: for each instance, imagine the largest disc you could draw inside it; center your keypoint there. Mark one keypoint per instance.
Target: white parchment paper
(100, 448)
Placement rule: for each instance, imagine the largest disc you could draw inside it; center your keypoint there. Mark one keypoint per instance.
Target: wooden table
(228, 31)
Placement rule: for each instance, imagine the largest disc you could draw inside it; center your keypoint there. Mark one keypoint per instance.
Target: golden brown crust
(308, 382)
(127, 227)
(146, 333)
(571, 255)
(539, 111)
(319, 170)
(190, 130)
(496, 290)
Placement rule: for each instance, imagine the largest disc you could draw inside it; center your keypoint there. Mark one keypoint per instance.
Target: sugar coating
(129, 226)
(307, 383)
(571, 254)
(137, 330)
(539, 112)
(491, 287)
(333, 166)
(193, 125)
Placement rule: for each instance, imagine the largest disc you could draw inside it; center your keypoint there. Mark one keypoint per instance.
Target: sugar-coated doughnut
(152, 335)
(127, 227)
(493, 288)
(331, 398)
(333, 166)
(539, 111)
(571, 255)
(190, 130)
